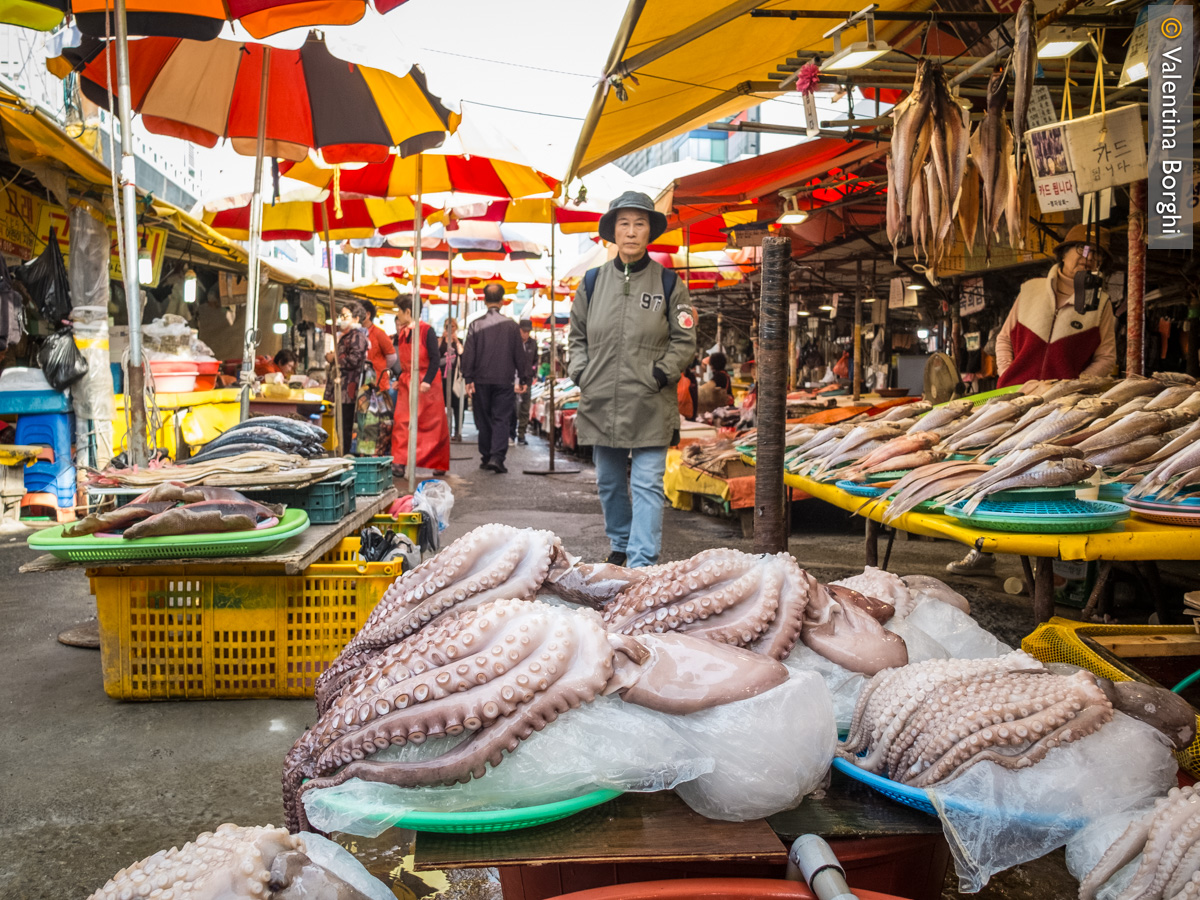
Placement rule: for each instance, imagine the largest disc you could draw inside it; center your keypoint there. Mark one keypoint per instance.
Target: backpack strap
(669, 279)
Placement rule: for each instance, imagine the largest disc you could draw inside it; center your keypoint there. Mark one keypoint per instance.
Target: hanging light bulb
(279, 327)
(283, 311)
(189, 283)
(145, 265)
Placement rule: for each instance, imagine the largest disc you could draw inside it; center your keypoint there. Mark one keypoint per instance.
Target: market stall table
(293, 556)
(1134, 540)
(884, 846)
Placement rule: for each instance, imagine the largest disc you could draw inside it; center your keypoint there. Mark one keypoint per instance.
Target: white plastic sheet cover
(995, 818)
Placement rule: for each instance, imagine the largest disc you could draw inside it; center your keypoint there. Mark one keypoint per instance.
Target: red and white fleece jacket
(1040, 340)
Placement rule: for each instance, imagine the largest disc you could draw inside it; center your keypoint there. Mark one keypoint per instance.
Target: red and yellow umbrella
(706, 234)
(205, 91)
(299, 220)
(198, 20)
(532, 211)
(397, 177)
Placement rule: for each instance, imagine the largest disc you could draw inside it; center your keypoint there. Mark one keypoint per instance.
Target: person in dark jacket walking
(524, 402)
(493, 358)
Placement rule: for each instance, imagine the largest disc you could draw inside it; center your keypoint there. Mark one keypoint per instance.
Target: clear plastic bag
(843, 685)
(92, 396)
(61, 360)
(345, 866)
(995, 818)
(921, 645)
(960, 635)
(604, 744)
(771, 750)
(440, 499)
(90, 249)
(1087, 846)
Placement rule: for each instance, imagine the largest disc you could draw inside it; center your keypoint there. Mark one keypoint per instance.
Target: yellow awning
(34, 138)
(683, 63)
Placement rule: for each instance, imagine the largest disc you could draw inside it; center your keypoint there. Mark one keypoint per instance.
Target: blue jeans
(633, 528)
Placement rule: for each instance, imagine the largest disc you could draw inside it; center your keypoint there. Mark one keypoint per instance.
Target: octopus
(763, 603)
(846, 629)
(928, 722)
(492, 675)
(490, 562)
(233, 861)
(882, 585)
(1168, 839)
(933, 588)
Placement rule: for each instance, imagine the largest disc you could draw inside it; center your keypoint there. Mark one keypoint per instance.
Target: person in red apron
(433, 432)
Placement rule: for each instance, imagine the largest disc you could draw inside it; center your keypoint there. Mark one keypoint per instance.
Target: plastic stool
(61, 484)
(42, 505)
(52, 429)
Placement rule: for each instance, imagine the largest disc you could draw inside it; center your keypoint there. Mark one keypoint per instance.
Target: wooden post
(1136, 315)
(858, 298)
(770, 534)
(1043, 590)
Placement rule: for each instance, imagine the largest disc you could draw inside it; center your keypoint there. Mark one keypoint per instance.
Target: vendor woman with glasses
(1044, 335)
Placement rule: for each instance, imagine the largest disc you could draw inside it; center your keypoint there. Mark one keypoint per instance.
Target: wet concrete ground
(92, 784)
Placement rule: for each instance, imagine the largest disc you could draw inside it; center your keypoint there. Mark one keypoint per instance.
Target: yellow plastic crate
(1058, 641)
(183, 634)
(408, 524)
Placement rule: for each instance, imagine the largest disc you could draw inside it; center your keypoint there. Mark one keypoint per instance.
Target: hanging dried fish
(968, 205)
(949, 145)
(910, 142)
(1024, 61)
(991, 149)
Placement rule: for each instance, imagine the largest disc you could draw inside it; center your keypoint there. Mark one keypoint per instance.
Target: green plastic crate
(325, 502)
(373, 475)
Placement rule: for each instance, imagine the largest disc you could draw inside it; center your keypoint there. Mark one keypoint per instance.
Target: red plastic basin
(710, 889)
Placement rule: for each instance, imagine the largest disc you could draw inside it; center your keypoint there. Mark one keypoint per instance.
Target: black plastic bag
(60, 359)
(46, 279)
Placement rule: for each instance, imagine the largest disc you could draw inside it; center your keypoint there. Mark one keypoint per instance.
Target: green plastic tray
(90, 548)
(1026, 495)
(1044, 517)
(484, 821)
(854, 489)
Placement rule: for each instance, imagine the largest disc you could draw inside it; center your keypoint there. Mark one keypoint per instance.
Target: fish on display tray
(206, 517)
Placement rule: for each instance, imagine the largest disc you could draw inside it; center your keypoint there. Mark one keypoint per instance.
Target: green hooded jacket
(617, 339)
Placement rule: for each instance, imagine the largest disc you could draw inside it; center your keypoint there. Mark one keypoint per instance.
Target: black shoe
(438, 473)
(486, 464)
(617, 558)
(498, 468)
(398, 472)
(522, 441)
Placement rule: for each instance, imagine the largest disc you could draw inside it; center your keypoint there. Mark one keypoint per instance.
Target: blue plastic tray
(859, 490)
(1043, 517)
(1114, 492)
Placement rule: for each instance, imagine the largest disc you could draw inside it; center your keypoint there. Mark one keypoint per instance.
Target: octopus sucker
(921, 732)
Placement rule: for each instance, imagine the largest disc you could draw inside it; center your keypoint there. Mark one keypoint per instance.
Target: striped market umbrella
(205, 91)
(532, 211)
(198, 20)
(300, 220)
(397, 177)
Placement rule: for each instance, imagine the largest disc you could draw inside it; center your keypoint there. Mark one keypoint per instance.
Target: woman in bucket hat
(633, 330)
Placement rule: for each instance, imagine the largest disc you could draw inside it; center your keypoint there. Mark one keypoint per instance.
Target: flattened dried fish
(991, 146)
(1024, 61)
(116, 519)
(944, 415)
(1130, 387)
(968, 205)
(208, 517)
(1051, 473)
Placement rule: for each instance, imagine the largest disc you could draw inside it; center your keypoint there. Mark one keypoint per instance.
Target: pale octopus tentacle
(931, 721)
(885, 695)
(1167, 839)
(499, 660)
(491, 562)
(231, 862)
(751, 601)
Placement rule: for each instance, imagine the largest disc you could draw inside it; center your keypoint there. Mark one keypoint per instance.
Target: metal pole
(135, 390)
(553, 344)
(858, 296)
(251, 339)
(414, 376)
(1136, 320)
(446, 386)
(338, 416)
(770, 532)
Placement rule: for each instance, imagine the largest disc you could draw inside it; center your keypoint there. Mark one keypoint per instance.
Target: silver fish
(1129, 429)
(906, 411)
(1131, 386)
(1170, 397)
(977, 439)
(1127, 454)
(944, 415)
(991, 146)
(931, 482)
(1183, 461)
(1051, 473)
(993, 413)
(1173, 378)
